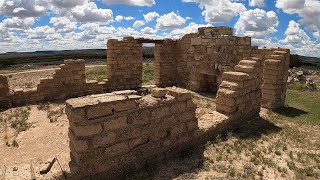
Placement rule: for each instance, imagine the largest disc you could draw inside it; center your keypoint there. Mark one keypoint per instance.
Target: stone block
(90, 130)
(158, 92)
(115, 123)
(104, 139)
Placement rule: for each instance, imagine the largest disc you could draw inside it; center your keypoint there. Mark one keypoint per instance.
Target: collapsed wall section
(124, 63)
(239, 95)
(68, 81)
(4, 89)
(119, 132)
(275, 75)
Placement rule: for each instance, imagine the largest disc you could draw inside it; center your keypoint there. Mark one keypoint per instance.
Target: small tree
(295, 61)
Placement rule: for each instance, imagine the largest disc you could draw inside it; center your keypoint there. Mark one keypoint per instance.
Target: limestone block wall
(275, 75)
(119, 132)
(68, 81)
(239, 95)
(165, 66)
(124, 63)
(212, 51)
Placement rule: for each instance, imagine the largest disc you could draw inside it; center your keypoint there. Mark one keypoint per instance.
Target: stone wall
(165, 65)
(124, 63)
(120, 132)
(239, 95)
(68, 81)
(275, 75)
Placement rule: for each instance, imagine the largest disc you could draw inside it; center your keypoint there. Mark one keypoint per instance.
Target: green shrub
(295, 61)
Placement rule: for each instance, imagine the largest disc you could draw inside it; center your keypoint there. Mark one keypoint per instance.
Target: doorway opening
(148, 63)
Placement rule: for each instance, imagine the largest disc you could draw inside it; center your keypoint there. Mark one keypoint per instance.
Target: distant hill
(306, 59)
(56, 57)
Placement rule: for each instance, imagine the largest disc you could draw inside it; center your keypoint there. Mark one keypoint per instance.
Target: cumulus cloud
(138, 23)
(218, 11)
(256, 23)
(308, 10)
(63, 24)
(18, 23)
(23, 8)
(43, 33)
(131, 2)
(119, 18)
(170, 21)
(148, 30)
(296, 35)
(259, 3)
(191, 28)
(150, 16)
(89, 12)
(68, 3)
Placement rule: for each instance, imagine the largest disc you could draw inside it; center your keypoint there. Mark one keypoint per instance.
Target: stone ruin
(121, 131)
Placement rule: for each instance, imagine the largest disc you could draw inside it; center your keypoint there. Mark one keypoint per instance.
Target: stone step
(280, 53)
(276, 57)
(231, 85)
(249, 63)
(245, 69)
(272, 62)
(235, 76)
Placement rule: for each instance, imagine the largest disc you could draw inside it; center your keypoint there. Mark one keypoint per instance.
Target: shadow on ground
(290, 112)
(186, 164)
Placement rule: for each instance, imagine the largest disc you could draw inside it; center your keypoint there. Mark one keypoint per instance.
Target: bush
(295, 61)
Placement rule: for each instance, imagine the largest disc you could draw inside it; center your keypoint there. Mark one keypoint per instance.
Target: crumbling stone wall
(68, 81)
(4, 89)
(118, 132)
(275, 75)
(239, 95)
(124, 63)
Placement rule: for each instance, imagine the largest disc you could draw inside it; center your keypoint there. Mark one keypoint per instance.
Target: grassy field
(279, 145)
(100, 73)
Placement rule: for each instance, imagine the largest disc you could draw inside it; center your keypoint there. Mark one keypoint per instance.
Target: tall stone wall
(239, 95)
(124, 63)
(275, 75)
(119, 132)
(165, 65)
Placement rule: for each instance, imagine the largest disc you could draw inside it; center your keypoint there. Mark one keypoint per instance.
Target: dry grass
(280, 145)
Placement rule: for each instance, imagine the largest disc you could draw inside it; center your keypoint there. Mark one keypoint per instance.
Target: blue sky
(30, 25)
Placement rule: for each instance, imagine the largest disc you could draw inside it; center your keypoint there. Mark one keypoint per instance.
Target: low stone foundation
(116, 133)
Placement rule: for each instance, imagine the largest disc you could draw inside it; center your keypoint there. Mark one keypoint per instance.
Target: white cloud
(24, 8)
(43, 33)
(68, 3)
(148, 30)
(150, 16)
(256, 23)
(308, 10)
(63, 24)
(131, 2)
(191, 28)
(296, 35)
(18, 23)
(170, 21)
(317, 35)
(259, 3)
(219, 10)
(138, 23)
(119, 18)
(89, 12)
